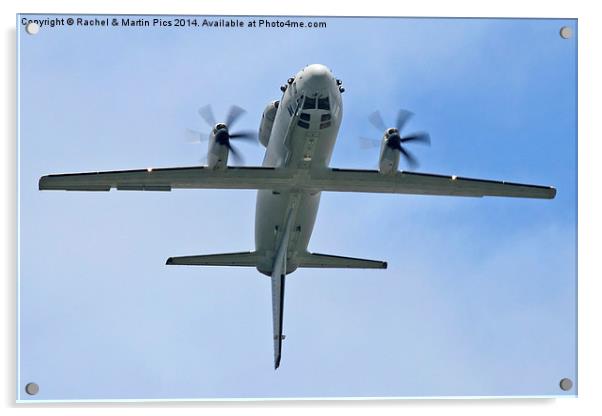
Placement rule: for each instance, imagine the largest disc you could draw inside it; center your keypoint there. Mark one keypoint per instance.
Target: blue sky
(479, 297)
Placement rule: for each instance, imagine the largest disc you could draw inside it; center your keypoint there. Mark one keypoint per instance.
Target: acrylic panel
(421, 287)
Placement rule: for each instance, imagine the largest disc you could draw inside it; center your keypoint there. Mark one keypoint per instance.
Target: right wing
(166, 179)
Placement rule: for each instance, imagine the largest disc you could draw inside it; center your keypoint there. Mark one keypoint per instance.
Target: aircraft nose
(318, 77)
(318, 70)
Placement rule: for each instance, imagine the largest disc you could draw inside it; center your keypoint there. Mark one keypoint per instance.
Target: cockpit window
(303, 124)
(323, 103)
(310, 103)
(305, 116)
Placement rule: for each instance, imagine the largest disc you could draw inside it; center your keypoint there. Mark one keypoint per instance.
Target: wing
(349, 180)
(335, 180)
(166, 179)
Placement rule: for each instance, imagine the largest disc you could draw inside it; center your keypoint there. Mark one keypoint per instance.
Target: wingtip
(41, 183)
(385, 265)
(276, 363)
(169, 261)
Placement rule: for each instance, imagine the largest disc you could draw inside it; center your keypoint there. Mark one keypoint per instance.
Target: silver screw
(32, 389)
(566, 384)
(32, 28)
(566, 32)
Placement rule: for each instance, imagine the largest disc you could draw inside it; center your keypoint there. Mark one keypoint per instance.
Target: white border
(589, 204)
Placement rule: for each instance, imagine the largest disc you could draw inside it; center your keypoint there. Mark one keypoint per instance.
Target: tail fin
(245, 259)
(317, 260)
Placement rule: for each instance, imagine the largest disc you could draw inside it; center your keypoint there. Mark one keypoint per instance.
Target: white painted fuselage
(303, 146)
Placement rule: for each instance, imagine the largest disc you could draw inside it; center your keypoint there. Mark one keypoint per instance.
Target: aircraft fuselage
(306, 145)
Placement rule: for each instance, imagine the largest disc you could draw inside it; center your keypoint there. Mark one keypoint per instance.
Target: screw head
(32, 28)
(566, 32)
(566, 384)
(32, 389)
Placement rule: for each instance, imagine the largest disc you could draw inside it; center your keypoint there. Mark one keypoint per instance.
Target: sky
(480, 295)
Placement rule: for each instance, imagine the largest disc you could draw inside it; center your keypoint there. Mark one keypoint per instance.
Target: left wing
(352, 180)
(334, 180)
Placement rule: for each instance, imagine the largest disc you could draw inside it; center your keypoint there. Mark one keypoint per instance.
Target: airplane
(299, 133)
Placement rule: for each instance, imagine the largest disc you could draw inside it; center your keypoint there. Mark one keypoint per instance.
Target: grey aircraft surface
(299, 132)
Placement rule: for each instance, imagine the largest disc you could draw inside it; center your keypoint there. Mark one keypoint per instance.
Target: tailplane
(244, 259)
(253, 259)
(317, 260)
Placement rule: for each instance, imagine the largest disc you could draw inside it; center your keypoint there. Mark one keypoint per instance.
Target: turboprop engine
(392, 143)
(220, 146)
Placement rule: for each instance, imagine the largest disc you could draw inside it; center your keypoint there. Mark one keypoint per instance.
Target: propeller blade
(233, 114)
(377, 121)
(196, 136)
(420, 137)
(402, 118)
(207, 114)
(249, 135)
(412, 161)
(368, 143)
(236, 157)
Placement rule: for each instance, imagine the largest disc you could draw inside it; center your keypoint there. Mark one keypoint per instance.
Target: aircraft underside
(299, 133)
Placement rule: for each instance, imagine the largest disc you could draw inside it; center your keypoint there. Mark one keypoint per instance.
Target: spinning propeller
(394, 138)
(221, 130)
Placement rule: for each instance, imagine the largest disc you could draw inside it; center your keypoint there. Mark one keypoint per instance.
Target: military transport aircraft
(299, 133)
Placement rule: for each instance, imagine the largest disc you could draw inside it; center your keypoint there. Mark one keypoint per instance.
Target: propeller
(223, 135)
(395, 140)
(195, 136)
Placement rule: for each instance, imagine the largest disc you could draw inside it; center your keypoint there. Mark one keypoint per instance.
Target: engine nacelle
(267, 122)
(218, 151)
(389, 159)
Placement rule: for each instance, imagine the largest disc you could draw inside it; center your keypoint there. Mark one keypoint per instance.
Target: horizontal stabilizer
(328, 261)
(245, 259)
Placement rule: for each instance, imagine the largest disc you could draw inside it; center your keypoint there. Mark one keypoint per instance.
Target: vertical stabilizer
(278, 278)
